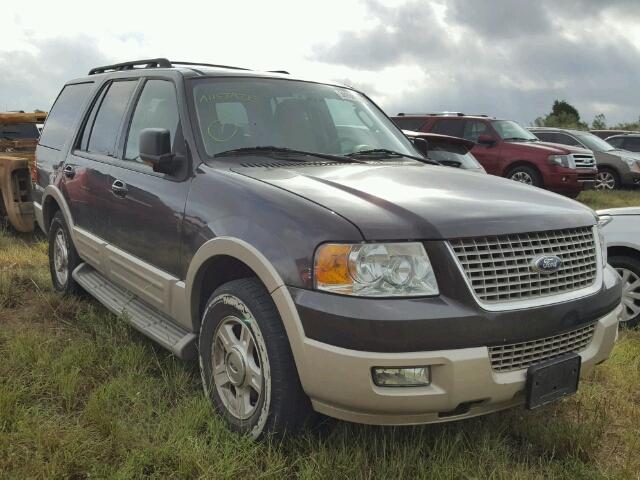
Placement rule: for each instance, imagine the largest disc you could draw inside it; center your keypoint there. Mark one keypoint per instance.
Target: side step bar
(154, 324)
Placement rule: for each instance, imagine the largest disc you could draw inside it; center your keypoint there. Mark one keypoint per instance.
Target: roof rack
(200, 64)
(441, 114)
(116, 67)
(156, 63)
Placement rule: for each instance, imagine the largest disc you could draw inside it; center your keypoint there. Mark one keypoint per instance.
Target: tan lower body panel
(464, 385)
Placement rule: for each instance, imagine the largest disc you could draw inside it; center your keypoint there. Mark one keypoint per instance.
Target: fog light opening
(402, 377)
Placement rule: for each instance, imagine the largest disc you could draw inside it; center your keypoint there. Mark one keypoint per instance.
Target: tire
(526, 175)
(63, 257)
(629, 269)
(607, 179)
(257, 390)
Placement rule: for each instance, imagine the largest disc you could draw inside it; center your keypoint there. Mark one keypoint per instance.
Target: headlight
(374, 270)
(565, 161)
(602, 221)
(632, 162)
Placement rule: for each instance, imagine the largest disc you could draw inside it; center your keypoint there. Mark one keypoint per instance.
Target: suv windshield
(234, 113)
(510, 130)
(593, 142)
(19, 131)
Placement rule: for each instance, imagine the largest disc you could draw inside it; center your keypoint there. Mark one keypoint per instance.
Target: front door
(147, 208)
(487, 155)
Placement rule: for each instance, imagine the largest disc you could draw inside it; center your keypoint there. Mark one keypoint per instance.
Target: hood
(553, 148)
(620, 211)
(411, 200)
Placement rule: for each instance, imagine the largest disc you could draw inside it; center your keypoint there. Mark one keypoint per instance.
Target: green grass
(84, 395)
(614, 199)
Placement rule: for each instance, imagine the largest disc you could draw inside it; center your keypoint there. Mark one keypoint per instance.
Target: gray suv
(286, 234)
(616, 167)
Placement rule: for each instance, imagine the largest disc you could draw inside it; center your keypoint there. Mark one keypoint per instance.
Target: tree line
(565, 115)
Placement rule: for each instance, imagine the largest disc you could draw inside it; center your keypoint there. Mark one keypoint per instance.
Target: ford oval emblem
(546, 263)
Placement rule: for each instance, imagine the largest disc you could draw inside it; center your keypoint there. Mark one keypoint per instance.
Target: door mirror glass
(155, 149)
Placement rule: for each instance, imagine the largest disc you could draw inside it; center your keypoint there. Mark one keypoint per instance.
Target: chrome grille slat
(499, 268)
(584, 161)
(518, 356)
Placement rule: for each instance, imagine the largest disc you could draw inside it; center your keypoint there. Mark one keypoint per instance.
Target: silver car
(622, 234)
(616, 167)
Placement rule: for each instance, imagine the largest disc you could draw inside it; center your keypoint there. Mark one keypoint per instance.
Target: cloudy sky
(505, 58)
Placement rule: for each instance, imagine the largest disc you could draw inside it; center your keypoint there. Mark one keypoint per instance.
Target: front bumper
(464, 385)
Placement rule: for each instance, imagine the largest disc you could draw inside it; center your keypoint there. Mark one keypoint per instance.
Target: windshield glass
(444, 154)
(509, 130)
(234, 113)
(593, 142)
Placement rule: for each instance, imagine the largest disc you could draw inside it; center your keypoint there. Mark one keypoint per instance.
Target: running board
(154, 324)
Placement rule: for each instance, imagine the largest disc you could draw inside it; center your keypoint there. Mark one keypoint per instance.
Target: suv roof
(444, 114)
(556, 129)
(189, 69)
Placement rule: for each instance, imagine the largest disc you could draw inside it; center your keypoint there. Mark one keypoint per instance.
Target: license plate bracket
(552, 380)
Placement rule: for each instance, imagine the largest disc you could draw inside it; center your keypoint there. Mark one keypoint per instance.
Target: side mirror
(486, 140)
(422, 146)
(155, 149)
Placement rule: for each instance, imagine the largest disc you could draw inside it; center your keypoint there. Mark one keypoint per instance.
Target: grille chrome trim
(548, 298)
(518, 356)
(583, 160)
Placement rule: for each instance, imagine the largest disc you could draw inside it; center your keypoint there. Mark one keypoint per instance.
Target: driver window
(473, 130)
(156, 108)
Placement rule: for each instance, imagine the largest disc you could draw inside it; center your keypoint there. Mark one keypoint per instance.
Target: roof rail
(451, 114)
(200, 64)
(279, 71)
(157, 63)
(116, 67)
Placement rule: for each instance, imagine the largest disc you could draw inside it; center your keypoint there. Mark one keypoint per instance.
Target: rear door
(147, 208)
(87, 172)
(489, 156)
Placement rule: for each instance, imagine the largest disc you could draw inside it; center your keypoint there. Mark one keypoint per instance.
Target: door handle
(119, 188)
(69, 171)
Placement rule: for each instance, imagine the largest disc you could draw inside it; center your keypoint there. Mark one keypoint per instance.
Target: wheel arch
(238, 259)
(522, 163)
(52, 201)
(618, 250)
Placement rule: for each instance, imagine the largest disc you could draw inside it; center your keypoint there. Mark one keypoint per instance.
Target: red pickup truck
(506, 149)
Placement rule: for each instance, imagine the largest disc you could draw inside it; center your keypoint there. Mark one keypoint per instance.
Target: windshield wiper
(390, 153)
(282, 150)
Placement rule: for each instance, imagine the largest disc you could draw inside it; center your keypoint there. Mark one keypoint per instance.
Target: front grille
(500, 268)
(517, 356)
(584, 160)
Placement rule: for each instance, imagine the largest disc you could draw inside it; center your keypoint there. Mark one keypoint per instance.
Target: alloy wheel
(61, 257)
(237, 367)
(630, 294)
(605, 181)
(522, 177)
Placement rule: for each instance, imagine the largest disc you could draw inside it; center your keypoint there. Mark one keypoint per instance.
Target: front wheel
(526, 175)
(629, 269)
(246, 363)
(607, 180)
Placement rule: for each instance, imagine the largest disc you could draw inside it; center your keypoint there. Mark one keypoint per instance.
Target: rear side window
(451, 127)
(64, 114)
(632, 144)
(415, 124)
(108, 120)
